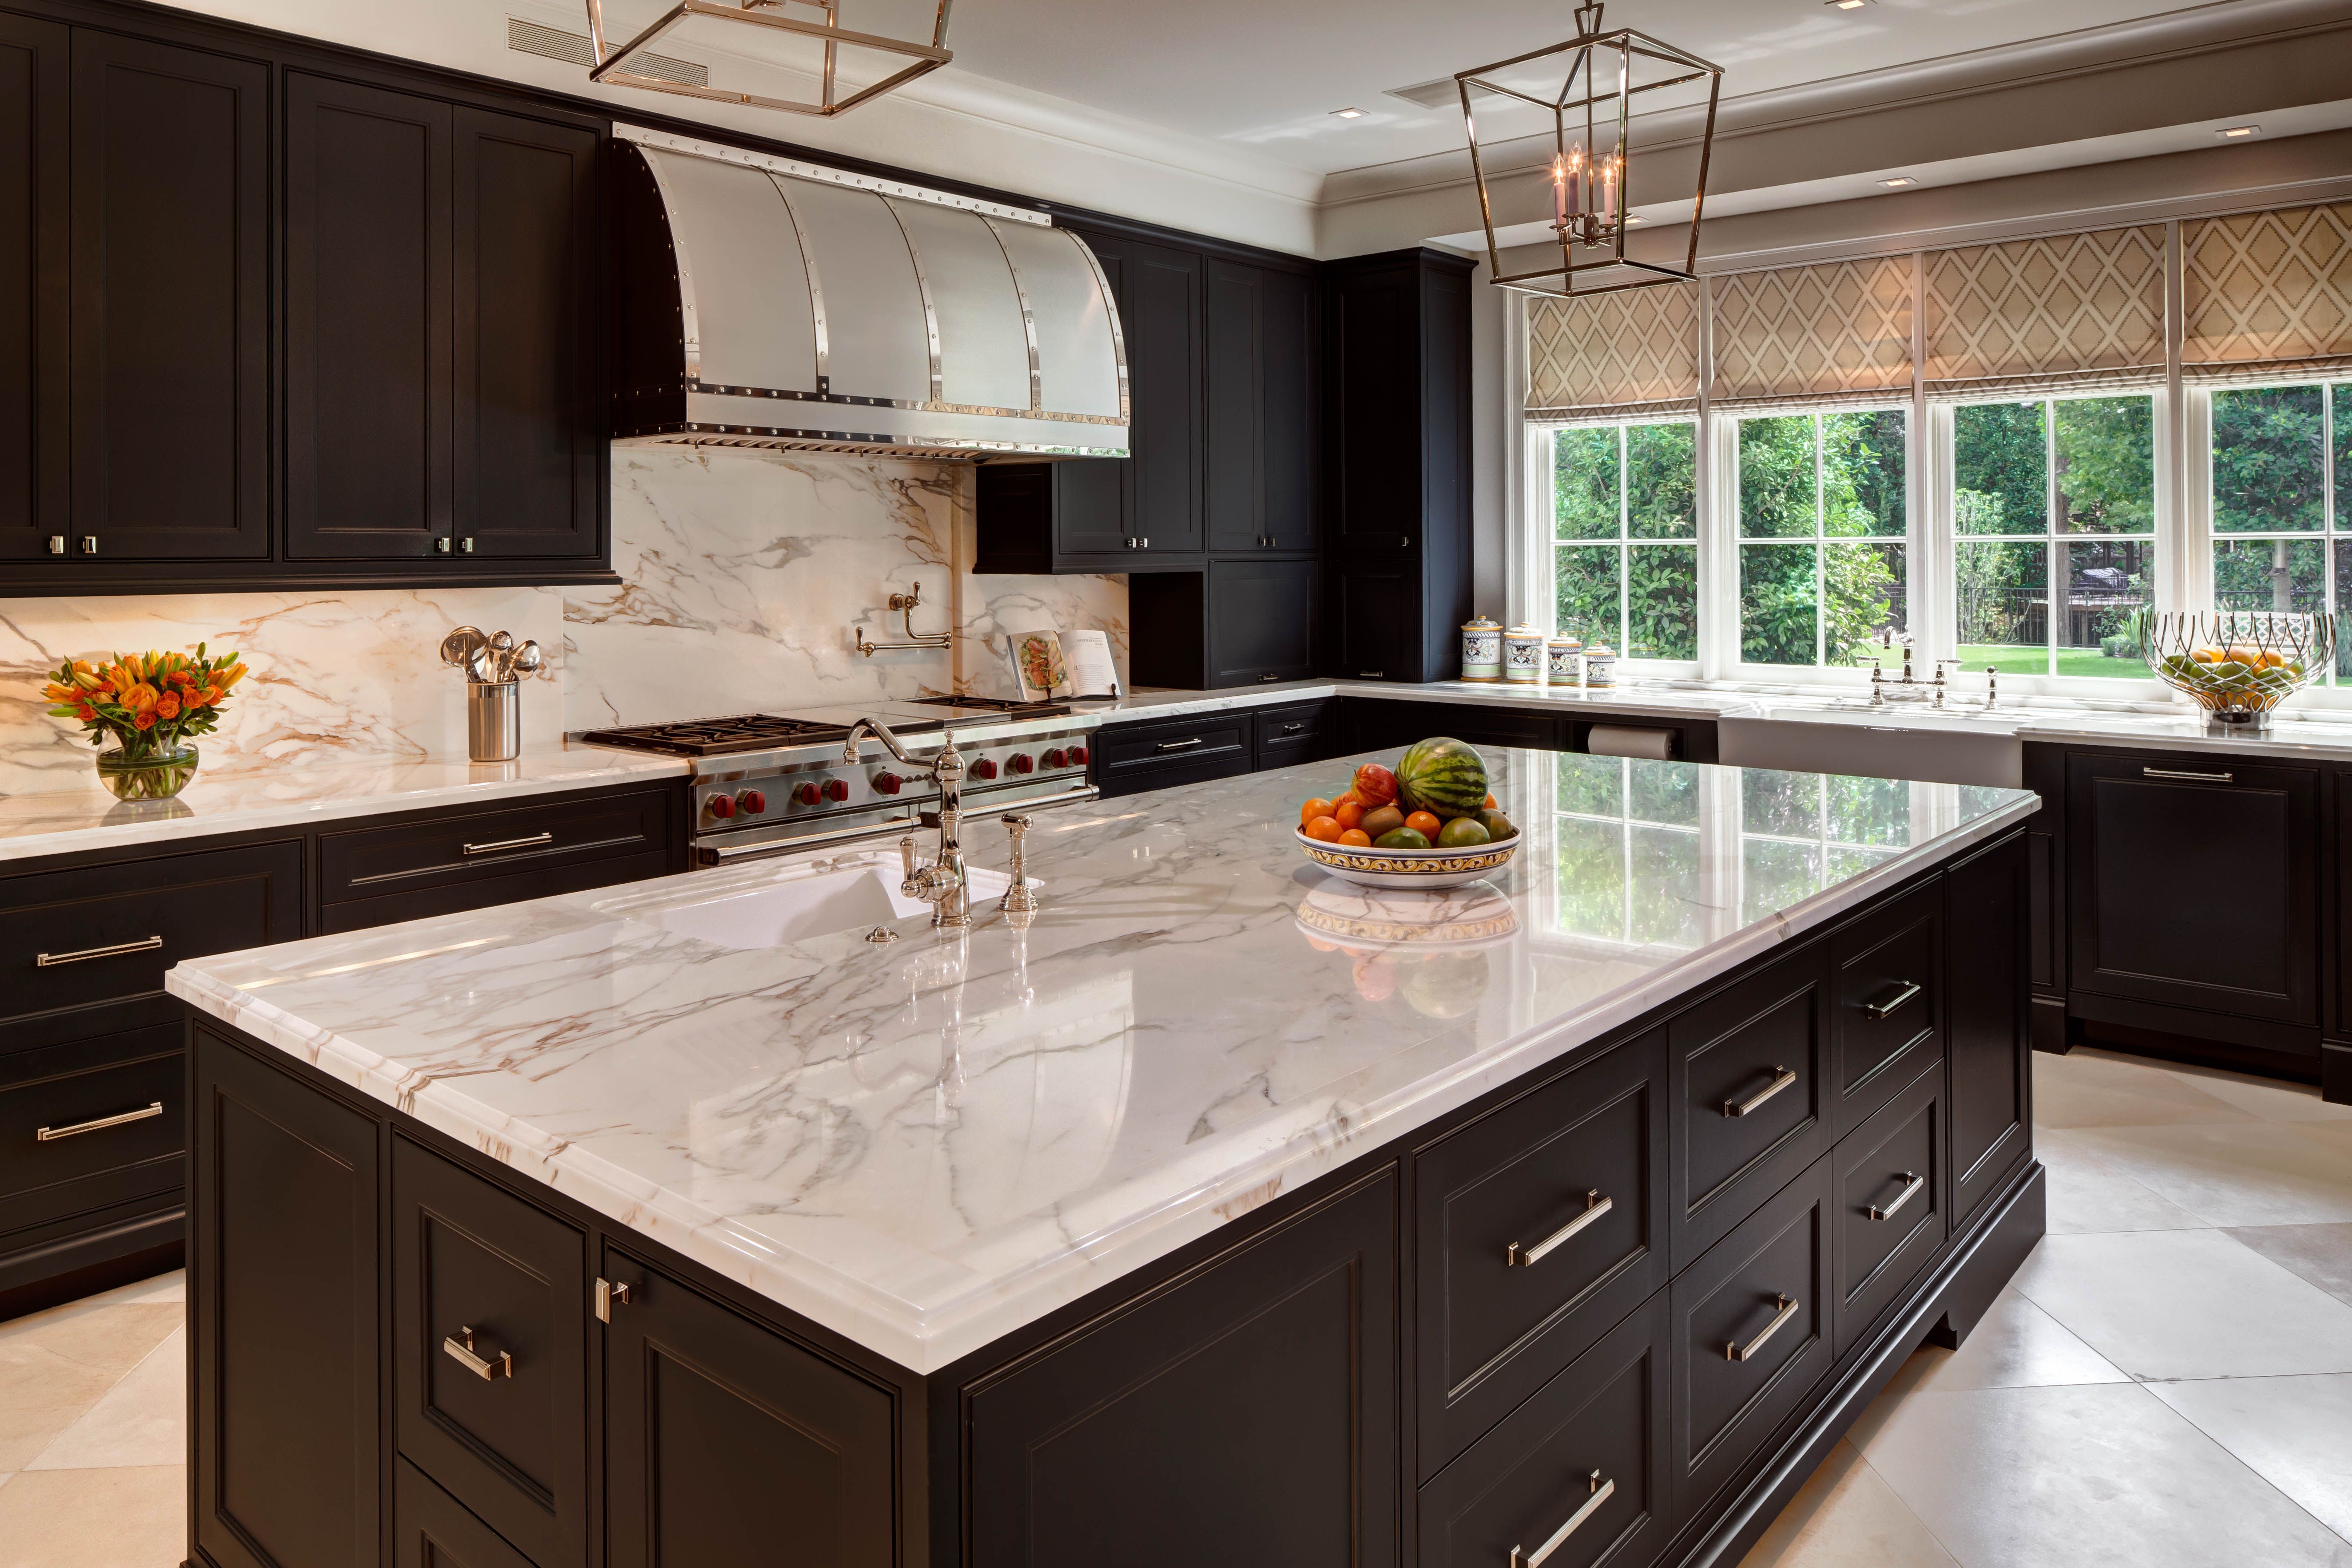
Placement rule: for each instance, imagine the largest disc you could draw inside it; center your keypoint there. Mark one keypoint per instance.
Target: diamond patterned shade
(1614, 355)
(2036, 316)
(1836, 332)
(2268, 292)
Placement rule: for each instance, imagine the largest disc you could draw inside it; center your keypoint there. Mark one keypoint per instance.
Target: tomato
(1315, 808)
(1324, 830)
(1375, 786)
(1355, 838)
(1424, 823)
(1350, 815)
(1347, 797)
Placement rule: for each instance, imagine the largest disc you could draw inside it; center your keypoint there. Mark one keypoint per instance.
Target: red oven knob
(752, 800)
(837, 789)
(720, 806)
(1022, 763)
(889, 783)
(983, 768)
(804, 794)
(1077, 756)
(1057, 758)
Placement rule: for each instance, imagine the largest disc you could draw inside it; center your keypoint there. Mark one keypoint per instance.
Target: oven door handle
(1065, 797)
(731, 854)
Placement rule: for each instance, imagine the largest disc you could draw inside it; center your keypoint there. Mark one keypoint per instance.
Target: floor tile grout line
(2253, 1468)
(1904, 1504)
(83, 1413)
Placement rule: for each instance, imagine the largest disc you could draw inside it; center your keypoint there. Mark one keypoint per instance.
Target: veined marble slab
(236, 800)
(927, 1144)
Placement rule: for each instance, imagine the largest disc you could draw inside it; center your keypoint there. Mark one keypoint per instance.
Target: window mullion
(2058, 569)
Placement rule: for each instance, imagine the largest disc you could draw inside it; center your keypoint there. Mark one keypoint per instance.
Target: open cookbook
(1051, 663)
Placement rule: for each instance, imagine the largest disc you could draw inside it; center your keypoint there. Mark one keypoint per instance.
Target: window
(1821, 524)
(1625, 537)
(2052, 492)
(1626, 828)
(2275, 514)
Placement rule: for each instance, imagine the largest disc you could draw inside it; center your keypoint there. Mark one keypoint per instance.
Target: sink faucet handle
(1993, 684)
(1018, 900)
(909, 883)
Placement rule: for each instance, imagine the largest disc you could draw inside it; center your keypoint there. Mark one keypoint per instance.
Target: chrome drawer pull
(1781, 1078)
(51, 1135)
(1293, 728)
(459, 1347)
(533, 842)
(2192, 778)
(1601, 1492)
(1911, 1183)
(1595, 1206)
(1737, 1351)
(1179, 745)
(52, 960)
(1881, 1009)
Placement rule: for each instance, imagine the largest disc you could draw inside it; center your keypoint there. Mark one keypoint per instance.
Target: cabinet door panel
(1379, 622)
(528, 475)
(367, 321)
(2150, 838)
(430, 1528)
(1160, 316)
(1235, 340)
(1376, 371)
(719, 1431)
(1991, 1050)
(287, 1342)
(35, 268)
(1262, 616)
(1245, 1414)
(1288, 457)
(170, 293)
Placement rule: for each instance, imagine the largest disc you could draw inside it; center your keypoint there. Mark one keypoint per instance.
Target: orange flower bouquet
(147, 707)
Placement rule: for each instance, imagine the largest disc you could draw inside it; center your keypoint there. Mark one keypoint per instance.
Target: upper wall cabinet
(1260, 405)
(35, 271)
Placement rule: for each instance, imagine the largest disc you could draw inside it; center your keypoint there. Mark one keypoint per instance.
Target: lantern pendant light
(1592, 168)
(780, 18)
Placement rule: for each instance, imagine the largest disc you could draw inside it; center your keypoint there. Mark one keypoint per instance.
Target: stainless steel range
(768, 785)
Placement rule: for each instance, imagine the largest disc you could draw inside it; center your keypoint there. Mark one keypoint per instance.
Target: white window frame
(2325, 692)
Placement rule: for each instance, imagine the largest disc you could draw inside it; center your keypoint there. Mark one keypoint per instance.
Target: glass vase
(152, 774)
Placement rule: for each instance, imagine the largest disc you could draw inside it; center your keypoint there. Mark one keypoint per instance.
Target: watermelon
(1445, 777)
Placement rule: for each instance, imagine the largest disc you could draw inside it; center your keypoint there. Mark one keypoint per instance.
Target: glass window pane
(1592, 784)
(1662, 601)
(1590, 868)
(1863, 594)
(2343, 598)
(1771, 801)
(1584, 483)
(2001, 592)
(1666, 859)
(2342, 460)
(2106, 465)
(1778, 601)
(1776, 478)
(1661, 481)
(2269, 456)
(2108, 581)
(1664, 792)
(1862, 474)
(2000, 466)
(2270, 574)
(1585, 589)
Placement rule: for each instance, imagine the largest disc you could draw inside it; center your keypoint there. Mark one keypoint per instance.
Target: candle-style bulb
(1576, 177)
(1559, 194)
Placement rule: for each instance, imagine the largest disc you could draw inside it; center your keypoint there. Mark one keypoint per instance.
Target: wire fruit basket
(2237, 665)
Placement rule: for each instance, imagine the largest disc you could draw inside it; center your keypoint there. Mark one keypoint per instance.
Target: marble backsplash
(742, 576)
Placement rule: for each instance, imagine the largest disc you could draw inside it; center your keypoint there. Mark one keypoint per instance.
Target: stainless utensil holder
(494, 721)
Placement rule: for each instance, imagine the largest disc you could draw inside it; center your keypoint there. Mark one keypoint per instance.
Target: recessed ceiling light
(1846, 5)
(2238, 133)
(1349, 114)
(1900, 182)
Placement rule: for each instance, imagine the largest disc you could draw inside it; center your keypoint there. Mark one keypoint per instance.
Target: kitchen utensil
(459, 646)
(502, 656)
(1428, 869)
(477, 666)
(526, 659)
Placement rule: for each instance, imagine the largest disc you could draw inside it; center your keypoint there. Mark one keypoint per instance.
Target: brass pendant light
(612, 65)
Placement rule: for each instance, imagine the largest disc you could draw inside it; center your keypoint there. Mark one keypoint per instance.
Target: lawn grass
(2083, 663)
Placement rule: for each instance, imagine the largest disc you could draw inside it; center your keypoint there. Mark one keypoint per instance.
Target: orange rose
(139, 698)
(168, 705)
(85, 713)
(144, 718)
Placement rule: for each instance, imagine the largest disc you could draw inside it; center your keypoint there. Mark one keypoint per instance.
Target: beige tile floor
(2167, 1383)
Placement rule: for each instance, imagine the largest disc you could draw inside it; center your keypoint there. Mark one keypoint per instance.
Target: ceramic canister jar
(1565, 654)
(1600, 665)
(1523, 657)
(1482, 650)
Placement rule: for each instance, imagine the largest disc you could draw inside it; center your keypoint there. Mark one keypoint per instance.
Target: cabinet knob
(90, 544)
(1147, 541)
(465, 546)
(441, 546)
(56, 544)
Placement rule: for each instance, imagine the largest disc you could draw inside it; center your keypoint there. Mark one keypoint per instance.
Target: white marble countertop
(926, 1144)
(235, 801)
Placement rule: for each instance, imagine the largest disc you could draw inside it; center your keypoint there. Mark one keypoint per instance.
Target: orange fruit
(1315, 808)
(1325, 830)
(1347, 797)
(1355, 838)
(1490, 802)
(1349, 814)
(1424, 823)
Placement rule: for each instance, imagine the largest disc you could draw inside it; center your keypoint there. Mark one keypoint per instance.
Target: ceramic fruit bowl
(1428, 869)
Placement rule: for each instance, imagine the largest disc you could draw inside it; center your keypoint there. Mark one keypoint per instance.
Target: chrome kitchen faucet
(942, 883)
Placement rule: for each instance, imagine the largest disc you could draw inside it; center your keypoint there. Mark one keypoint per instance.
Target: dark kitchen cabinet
(169, 304)
(1262, 491)
(36, 271)
(1397, 444)
(1988, 1051)
(1262, 621)
(1147, 1439)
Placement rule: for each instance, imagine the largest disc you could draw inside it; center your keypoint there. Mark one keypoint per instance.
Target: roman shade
(1614, 356)
(2267, 294)
(2034, 317)
(1838, 333)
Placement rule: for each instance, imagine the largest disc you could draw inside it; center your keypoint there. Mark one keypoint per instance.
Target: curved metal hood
(770, 303)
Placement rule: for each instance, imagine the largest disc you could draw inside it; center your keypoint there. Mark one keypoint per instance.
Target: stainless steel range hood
(770, 303)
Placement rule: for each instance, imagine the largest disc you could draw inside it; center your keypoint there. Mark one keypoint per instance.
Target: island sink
(855, 891)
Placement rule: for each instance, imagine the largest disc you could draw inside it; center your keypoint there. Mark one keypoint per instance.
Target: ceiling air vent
(555, 44)
(1439, 94)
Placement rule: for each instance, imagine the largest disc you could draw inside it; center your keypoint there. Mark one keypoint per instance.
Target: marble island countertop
(927, 1143)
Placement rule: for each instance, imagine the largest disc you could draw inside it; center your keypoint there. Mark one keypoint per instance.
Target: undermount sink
(797, 908)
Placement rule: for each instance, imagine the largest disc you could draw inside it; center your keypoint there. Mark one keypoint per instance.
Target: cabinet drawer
(101, 933)
(1582, 1467)
(404, 870)
(1539, 1226)
(1890, 1002)
(1891, 1203)
(430, 1528)
(1294, 733)
(1151, 756)
(94, 1122)
(471, 1262)
(1752, 1335)
(1750, 1105)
